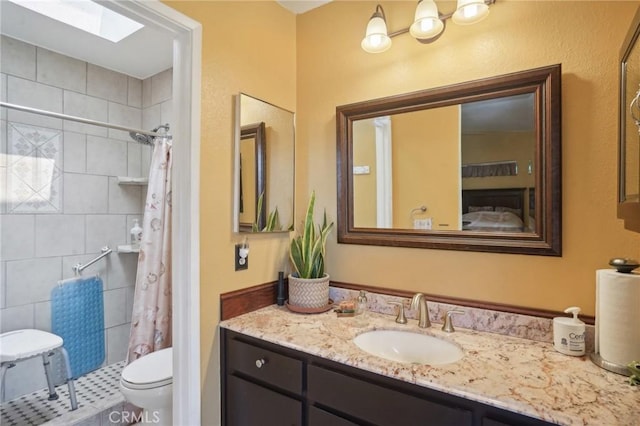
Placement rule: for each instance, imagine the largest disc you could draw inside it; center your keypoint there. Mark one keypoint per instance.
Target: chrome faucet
(401, 318)
(448, 323)
(423, 318)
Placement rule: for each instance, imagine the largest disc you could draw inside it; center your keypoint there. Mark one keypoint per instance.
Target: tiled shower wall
(59, 197)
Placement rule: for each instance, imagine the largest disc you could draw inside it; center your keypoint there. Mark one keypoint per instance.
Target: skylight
(85, 15)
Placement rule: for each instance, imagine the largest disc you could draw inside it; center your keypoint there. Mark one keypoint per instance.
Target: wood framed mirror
(252, 176)
(629, 129)
(472, 166)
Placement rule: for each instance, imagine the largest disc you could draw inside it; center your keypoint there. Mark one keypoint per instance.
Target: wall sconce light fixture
(428, 24)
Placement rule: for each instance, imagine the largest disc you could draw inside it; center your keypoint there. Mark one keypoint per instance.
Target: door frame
(187, 60)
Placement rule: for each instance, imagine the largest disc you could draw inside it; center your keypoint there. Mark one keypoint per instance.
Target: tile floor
(97, 393)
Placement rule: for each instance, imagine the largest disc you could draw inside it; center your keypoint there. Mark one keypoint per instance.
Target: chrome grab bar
(79, 267)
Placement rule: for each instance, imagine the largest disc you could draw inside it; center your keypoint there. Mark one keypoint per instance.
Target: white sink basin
(408, 347)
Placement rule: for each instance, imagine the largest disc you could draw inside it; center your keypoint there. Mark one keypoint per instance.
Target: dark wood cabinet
(377, 403)
(265, 384)
(252, 404)
(319, 417)
(264, 365)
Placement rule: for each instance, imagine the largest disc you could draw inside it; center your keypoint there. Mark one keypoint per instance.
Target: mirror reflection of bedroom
(498, 176)
(467, 167)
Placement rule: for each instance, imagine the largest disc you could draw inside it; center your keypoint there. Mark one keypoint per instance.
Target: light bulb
(376, 39)
(470, 12)
(426, 24)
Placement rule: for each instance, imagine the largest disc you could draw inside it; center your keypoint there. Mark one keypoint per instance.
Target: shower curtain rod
(78, 119)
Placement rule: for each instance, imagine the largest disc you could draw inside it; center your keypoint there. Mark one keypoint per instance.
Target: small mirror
(473, 166)
(264, 166)
(629, 129)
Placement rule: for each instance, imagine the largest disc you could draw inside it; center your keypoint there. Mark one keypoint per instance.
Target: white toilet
(147, 383)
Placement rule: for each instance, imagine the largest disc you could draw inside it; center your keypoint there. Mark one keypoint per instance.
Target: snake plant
(273, 218)
(308, 250)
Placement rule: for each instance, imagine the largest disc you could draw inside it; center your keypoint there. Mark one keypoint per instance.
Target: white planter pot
(309, 292)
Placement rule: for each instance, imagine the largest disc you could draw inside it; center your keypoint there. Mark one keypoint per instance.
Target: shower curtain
(151, 319)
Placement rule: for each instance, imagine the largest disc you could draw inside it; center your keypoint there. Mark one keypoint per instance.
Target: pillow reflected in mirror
(517, 212)
(473, 209)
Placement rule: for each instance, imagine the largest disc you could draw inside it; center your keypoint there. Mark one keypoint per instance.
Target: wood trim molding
(249, 299)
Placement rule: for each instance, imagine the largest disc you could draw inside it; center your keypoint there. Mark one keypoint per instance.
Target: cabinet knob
(260, 362)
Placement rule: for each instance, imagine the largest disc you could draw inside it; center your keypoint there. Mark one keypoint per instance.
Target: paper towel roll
(617, 316)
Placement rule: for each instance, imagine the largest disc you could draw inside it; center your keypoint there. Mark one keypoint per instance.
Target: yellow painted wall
(500, 146)
(364, 185)
(426, 167)
(261, 49)
(517, 35)
(248, 47)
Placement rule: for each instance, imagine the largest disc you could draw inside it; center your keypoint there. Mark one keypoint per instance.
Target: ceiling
(150, 51)
(301, 6)
(141, 55)
(508, 114)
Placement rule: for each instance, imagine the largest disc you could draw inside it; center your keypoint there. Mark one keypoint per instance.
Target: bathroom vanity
(269, 384)
(280, 368)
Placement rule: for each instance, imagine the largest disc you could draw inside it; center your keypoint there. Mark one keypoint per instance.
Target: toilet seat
(151, 371)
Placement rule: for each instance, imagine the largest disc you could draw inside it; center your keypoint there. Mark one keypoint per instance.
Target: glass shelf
(136, 181)
(128, 248)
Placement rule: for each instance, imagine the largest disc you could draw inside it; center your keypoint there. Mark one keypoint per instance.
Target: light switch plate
(422, 223)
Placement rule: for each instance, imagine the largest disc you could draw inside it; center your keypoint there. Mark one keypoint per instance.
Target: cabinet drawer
(265, 365)
(251, 404)
(379, 405)
(318, 417)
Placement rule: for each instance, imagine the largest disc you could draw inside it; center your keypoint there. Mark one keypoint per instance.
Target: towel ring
(637, 107)
(421, 209)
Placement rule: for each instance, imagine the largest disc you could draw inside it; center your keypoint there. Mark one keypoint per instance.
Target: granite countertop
(520, 375)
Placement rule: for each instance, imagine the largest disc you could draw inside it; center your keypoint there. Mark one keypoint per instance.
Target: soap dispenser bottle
(136, 235)
(569, 333)
(361, 308)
